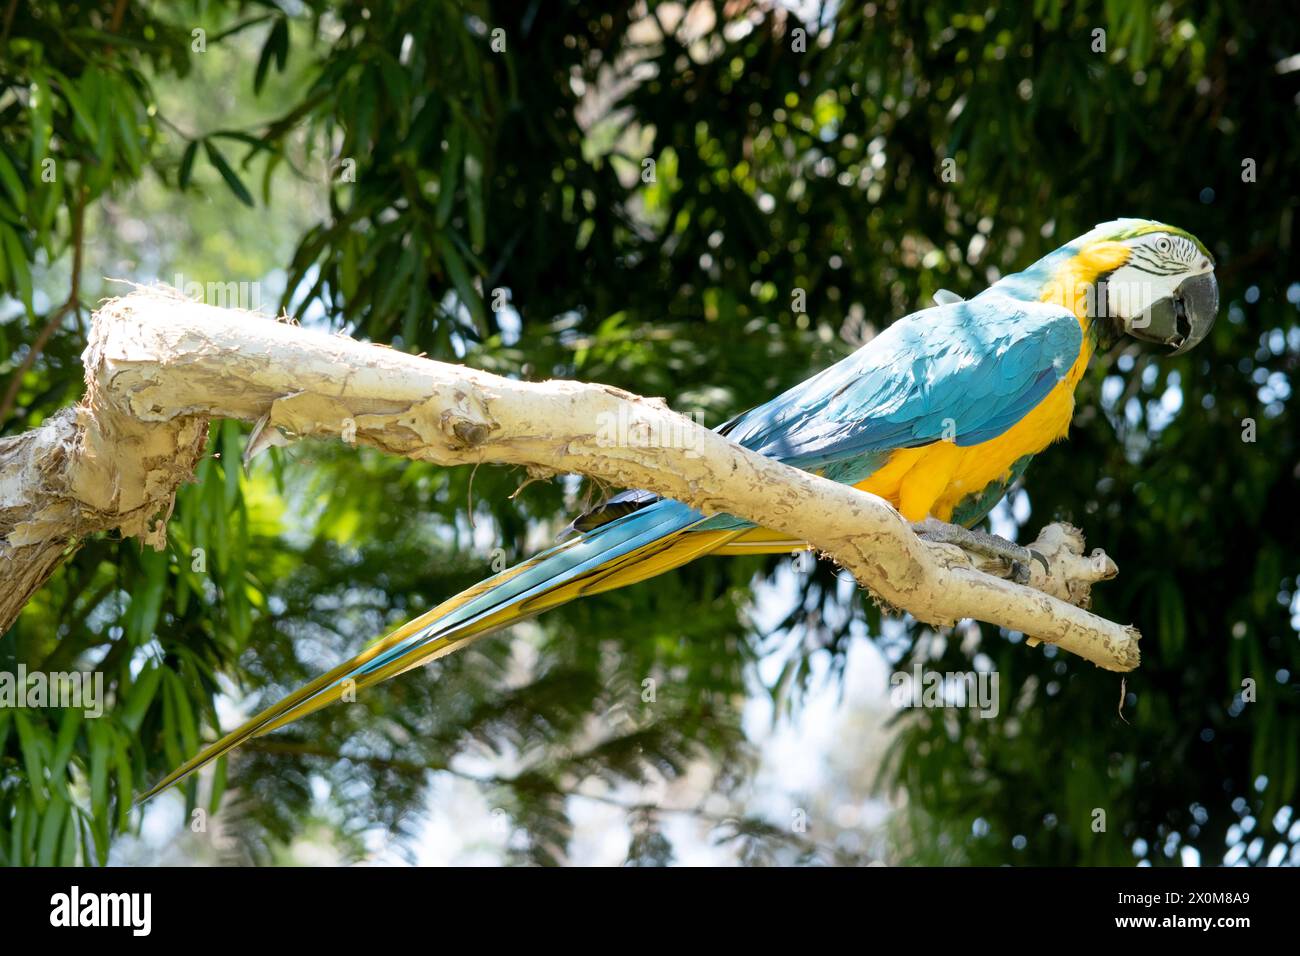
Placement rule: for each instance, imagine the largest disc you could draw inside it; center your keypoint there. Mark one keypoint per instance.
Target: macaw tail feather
(630, 549)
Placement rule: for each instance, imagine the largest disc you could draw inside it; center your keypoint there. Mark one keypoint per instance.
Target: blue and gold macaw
(938, 415)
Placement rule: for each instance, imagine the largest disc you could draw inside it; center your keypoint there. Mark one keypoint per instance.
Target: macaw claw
(1020, 572)
(1017, 557)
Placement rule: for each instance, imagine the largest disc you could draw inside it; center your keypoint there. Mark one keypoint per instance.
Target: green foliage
(408, 176)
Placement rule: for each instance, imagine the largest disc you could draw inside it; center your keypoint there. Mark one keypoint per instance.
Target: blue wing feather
(977, 367)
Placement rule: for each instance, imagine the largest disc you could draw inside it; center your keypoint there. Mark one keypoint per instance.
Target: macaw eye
(1163, 244)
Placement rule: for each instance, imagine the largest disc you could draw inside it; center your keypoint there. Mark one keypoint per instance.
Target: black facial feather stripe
(1164, 257)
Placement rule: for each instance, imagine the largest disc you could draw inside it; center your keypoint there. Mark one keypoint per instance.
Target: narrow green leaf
(264, 59)
(460, 277)
(171, 735)
(63, 745)
(100, 754)
(219, 775)
(47, 850)
(187, 164)
(125, 785)
(184, 713)
(280, 42)
(12, 183)
(38, 106)
(17, 827)
(474, 201)
(451, 164)
(18, 270)
(31, 744)
(83, 117)
(129, 136)
(140, 696)
(229, 175)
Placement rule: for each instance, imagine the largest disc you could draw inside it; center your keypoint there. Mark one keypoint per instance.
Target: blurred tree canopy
(706, 202)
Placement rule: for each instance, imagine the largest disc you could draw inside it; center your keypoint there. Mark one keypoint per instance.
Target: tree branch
(158, 367)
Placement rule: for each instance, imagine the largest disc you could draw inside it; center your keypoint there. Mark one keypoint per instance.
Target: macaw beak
(1183, 318)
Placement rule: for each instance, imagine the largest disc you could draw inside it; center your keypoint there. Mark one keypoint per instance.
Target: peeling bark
(87, 469)
(159, 367)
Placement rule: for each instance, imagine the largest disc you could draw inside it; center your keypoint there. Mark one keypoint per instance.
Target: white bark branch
(158, 367)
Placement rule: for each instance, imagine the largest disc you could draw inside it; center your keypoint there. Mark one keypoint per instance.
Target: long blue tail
(632, 548)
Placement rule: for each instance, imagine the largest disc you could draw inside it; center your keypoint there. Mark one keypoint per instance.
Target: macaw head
(1156, 282)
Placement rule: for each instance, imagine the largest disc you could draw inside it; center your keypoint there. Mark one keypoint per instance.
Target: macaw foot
(1016, 557)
